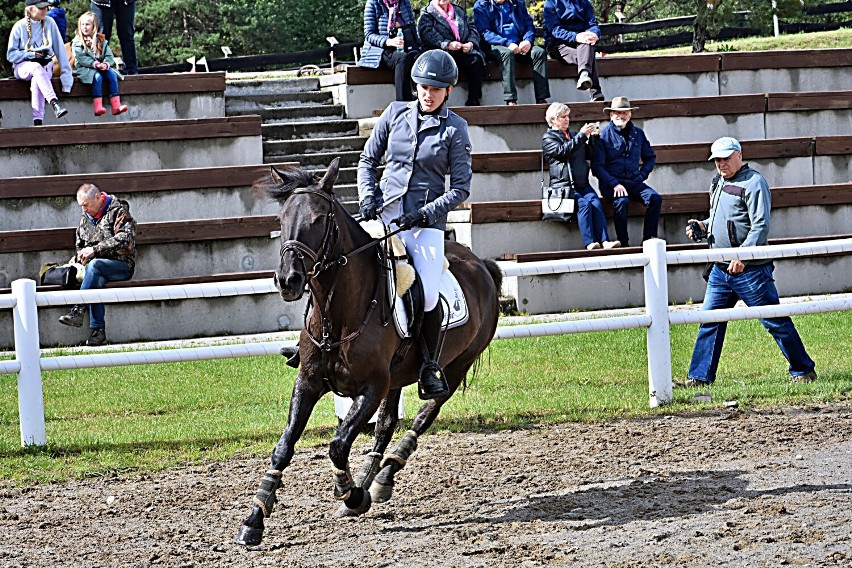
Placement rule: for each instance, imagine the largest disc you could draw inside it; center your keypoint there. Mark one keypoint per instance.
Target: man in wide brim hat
(620, 104)
(622, 161)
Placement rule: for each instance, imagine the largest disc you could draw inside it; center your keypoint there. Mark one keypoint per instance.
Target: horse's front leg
(353, 496)
(385, 426)
(306, 393)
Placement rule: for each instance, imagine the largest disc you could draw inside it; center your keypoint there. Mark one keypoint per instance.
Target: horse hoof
(360, 501)
(343, 512)
(249, 536)
(380, 493)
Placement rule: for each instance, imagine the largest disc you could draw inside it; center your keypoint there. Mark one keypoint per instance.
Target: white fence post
(657, 306)
(30, 398)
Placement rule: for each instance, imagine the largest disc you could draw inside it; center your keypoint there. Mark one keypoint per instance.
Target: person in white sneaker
(570, 34)
(567, 153)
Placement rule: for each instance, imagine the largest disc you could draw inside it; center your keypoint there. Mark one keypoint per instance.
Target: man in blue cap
(739, 217)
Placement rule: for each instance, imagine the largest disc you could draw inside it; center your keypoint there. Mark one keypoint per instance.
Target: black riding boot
(431, 383)
(292, 355)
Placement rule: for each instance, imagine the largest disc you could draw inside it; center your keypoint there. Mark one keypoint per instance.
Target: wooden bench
(12, 89)
(582, 253)
(673, 204)
(134, 182)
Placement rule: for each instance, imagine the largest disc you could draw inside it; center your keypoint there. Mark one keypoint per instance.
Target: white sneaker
(611, 244)
(593, 246)
(584, 82)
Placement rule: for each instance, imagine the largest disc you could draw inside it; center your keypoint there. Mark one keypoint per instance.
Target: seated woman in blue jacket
(390, 42)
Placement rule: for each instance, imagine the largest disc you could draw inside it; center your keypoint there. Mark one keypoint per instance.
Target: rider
(421, 141)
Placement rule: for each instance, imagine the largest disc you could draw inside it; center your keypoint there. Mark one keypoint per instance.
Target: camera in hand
(697, 232)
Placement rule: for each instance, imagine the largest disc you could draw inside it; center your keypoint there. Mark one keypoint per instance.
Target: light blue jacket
(376, 17)
(418, 155)
(17, 52)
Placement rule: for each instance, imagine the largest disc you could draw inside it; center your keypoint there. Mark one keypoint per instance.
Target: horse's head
(308, 225)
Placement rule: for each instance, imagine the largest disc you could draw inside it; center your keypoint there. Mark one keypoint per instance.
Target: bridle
(322, 261)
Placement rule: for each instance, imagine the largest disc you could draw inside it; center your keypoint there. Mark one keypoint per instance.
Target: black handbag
(557, 204)
(64, 275)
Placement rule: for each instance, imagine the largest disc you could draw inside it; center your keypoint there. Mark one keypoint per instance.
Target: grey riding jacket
(419, 151)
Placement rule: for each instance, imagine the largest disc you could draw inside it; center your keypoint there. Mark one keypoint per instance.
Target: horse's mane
(280, 183)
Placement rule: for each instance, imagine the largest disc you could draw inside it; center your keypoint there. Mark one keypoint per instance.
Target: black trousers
(474, 68)
(400, 62)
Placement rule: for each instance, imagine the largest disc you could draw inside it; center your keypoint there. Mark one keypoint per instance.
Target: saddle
(405, 290)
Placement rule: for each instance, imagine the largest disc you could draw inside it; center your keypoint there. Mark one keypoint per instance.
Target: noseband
(319, 261)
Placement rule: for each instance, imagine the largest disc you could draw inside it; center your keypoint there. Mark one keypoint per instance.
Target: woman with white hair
(567, 151)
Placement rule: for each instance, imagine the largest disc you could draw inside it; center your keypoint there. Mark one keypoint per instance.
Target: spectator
(567, 152)
(57, 14)
(33, 42)
(740, 204)
(420, 142)
(621, 176)
(106, 246)
(445, 26)
(124, 14)
(570, 34)
(507, 28)
(94, 64)
(390, 41)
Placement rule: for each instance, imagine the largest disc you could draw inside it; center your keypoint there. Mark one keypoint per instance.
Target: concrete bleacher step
(276, 100)
(309, 129)
(271, 86)
(301, 112)
(314, 146)
(318, 159)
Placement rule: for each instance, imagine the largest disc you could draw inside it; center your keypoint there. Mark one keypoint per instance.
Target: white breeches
(425, 246)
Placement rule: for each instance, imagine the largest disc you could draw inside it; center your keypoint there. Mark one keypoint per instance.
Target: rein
(320, 262)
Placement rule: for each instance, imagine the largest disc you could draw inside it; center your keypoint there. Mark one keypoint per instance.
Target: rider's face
(431, 98)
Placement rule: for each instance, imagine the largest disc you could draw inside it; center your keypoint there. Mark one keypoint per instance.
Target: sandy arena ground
(727, 489)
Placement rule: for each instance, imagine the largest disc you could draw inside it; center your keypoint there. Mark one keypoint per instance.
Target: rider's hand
(369, 208)
(412, 219)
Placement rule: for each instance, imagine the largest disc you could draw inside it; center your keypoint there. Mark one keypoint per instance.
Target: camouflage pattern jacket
(112, 236)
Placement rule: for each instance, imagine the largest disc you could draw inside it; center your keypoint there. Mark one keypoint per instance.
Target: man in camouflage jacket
(106, 246)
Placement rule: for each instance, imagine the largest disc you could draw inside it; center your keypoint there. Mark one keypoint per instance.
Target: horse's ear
(330, 177)
(276, 176)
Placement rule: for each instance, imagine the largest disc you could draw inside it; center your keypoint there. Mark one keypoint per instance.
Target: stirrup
(431, 382)
(292, 356)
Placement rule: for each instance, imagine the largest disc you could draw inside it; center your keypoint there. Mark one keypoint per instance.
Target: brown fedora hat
(620, 103)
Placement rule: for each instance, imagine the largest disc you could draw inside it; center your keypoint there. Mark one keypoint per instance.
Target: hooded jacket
(113, 235)
(47, 28)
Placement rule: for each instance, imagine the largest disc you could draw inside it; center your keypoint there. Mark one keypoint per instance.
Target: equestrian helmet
(436, 68)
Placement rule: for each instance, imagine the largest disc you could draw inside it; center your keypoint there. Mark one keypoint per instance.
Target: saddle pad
(450, 291)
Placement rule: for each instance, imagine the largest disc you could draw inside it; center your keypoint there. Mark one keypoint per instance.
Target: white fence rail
(28, 363)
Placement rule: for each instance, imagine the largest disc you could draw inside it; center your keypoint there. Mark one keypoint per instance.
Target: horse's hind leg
(306, 393)
(353, 496)
(385, 426)
(381, 489)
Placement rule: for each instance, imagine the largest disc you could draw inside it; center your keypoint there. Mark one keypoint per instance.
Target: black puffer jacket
(435, 32)
(563, 153)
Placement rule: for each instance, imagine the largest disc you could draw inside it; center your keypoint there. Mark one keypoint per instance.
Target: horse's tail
(495, 272)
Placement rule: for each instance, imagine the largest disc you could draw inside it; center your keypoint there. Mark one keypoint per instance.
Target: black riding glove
(412, 219)
(369, 208)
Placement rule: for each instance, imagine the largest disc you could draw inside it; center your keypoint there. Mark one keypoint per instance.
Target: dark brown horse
(347, 346)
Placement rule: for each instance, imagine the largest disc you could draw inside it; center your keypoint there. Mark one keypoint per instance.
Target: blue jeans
(111, 78)
(590, 216)
(653, 203)
(124, 15)
(99, 271)
(756, 287)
